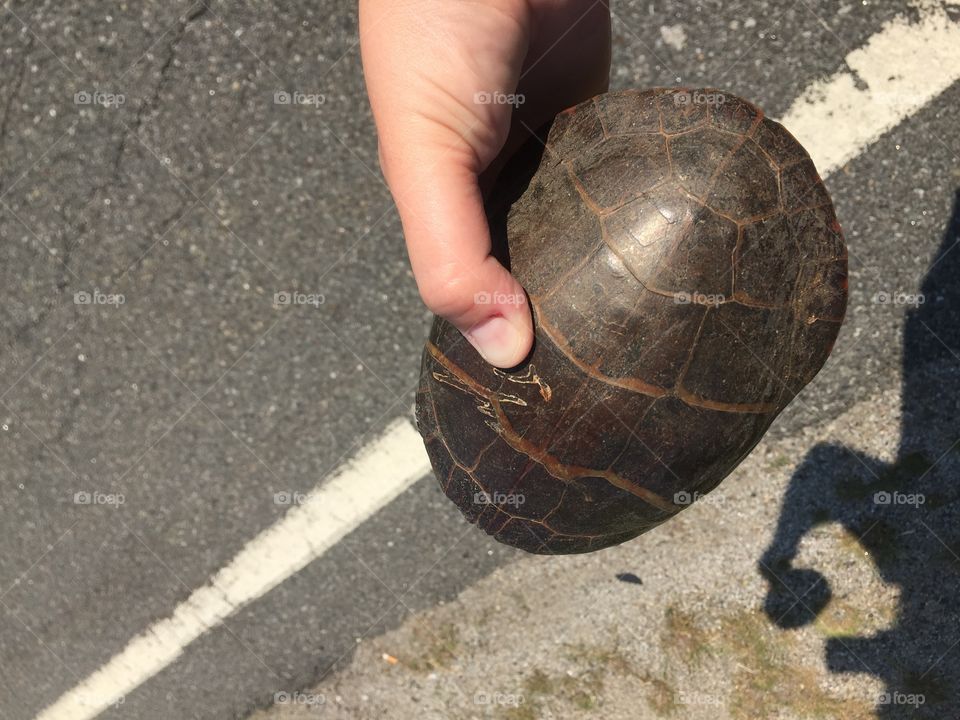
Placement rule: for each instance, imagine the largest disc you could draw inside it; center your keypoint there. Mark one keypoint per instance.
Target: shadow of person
(905, 515)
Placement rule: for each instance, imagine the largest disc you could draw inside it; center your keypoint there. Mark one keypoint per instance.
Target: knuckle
(446, 292)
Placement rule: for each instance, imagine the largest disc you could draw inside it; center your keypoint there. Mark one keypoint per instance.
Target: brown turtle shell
(687, 276)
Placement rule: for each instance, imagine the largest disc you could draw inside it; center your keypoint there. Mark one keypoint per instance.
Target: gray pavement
(198, 398)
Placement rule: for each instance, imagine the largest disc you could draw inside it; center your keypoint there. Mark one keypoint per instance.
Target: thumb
(441, 207)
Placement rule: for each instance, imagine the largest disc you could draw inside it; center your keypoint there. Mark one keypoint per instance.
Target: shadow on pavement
(904, 513)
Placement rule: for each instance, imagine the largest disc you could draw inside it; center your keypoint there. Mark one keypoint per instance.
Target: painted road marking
(904, 66)
(378, 474)
(900, 69)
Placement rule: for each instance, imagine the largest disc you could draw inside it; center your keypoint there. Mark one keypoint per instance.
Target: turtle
(687, 277)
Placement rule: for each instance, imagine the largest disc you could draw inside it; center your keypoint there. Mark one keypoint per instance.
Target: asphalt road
(186, 388)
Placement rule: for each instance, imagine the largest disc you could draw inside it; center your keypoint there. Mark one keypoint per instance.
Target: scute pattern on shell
(687, 275)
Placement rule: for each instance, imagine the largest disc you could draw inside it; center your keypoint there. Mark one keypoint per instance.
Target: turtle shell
(687, 277)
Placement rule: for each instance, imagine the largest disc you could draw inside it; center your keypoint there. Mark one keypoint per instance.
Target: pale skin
(439, 75)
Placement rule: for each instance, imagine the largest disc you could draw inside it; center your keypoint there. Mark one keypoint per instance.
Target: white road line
(904, 66)
(900, 69)
(381, 471)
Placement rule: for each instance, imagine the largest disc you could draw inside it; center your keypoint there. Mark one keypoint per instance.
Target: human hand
(438, 73)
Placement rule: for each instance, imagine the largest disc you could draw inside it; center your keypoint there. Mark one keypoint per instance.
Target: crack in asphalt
(75, 229)
(69, 418)
(8, 106)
